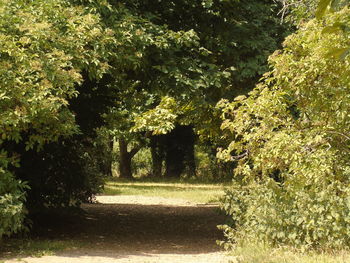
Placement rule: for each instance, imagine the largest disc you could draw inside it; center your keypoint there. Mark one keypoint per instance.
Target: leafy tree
(44, 47)
(290, 138)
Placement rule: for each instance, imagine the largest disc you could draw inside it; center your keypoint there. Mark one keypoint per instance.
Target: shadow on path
(126, 230)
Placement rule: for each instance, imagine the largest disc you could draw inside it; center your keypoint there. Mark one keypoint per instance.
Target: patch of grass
(33, 247)
(262, 254)
(194, 192)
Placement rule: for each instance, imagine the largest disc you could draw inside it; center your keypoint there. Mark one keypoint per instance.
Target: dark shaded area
(176, 151)
(128, 228)
(63, 174)
(179, 152)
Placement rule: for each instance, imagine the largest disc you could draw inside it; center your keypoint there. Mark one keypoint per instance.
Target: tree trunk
(125, 160)
(180, 152)
(106, 159)
(190, 162)
(157, 156)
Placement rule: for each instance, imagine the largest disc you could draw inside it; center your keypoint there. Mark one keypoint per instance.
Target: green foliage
(295, 214)
(298, 11)
(12, 197)
(159, 120)
(290, 139)
(44, 47)
(170, 51)
(208, 167)
(142, 163)
(332, 5)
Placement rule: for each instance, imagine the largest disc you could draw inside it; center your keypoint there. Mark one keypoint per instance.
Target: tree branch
(240, 156)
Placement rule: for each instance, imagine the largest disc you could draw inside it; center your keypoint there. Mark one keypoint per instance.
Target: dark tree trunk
(180, 152)
(174, 161)
(125, 160)
(157, 156)
(106, 157)
(110, 160)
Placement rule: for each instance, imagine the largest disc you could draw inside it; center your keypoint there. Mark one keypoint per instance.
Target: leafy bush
(12, 196)
(298, 215)
(290, 138)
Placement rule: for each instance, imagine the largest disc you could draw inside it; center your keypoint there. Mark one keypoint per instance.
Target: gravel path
(137, 229)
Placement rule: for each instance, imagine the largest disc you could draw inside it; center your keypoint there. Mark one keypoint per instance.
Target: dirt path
(139, 229)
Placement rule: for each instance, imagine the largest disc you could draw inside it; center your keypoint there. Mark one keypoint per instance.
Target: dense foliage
(290, 138)
(44, 47)
(187, 64)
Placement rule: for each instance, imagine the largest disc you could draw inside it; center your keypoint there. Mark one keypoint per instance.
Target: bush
(305, 216)
(290, 138)
(12, 197)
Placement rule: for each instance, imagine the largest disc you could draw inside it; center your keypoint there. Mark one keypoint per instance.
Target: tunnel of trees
(88, 84)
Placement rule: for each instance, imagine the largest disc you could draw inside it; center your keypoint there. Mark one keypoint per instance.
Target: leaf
(322, 7)
(336, 27)
(339, 53)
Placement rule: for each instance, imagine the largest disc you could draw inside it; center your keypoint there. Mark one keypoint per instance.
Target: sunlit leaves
(160, 120)
(290, 138)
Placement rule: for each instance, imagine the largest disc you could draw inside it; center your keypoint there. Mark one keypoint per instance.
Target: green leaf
(339, 53)
(336, 27)
(322, 7)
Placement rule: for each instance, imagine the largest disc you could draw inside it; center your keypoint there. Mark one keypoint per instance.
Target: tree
(290, 140)
(45, 46)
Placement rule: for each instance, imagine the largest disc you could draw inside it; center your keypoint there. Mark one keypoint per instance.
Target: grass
(189, 191)
(33, 247)
(260, 254)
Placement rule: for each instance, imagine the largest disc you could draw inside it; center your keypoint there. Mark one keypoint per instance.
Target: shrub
(305, 216)
(290, 138)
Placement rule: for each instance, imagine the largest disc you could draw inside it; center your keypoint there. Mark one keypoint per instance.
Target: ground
(138, 229)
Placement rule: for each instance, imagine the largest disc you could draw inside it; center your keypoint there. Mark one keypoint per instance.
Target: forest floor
(137, 229)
